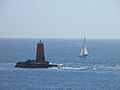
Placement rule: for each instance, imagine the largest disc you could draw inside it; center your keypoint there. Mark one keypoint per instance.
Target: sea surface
(99, 72)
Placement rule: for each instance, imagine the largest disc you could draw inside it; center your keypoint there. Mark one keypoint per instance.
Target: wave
(59, 64)
(7, 63)
(72, 66)
(97, 67)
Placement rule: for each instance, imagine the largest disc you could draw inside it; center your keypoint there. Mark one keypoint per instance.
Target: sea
(101, 71)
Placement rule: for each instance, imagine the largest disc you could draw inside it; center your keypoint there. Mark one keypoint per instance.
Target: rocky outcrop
(33, 64)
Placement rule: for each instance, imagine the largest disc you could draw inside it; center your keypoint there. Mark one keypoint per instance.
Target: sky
(93, 19)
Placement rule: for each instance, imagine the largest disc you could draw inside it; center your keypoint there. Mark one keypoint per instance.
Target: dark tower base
(40, 59)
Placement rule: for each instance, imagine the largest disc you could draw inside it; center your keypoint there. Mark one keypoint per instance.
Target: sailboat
(84, 51)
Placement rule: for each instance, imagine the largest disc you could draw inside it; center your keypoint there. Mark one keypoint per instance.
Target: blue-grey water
(101, 72)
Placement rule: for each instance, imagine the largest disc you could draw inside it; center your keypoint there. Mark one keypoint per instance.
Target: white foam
(7, 63)
(73, 68)
(60, 64)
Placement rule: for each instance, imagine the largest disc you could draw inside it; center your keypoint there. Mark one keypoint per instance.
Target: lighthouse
(40, 56)
(39, 62)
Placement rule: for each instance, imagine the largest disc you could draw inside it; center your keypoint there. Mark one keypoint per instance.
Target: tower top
(40, 41)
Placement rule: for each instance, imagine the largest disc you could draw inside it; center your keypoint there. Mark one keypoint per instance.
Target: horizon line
(56, 38)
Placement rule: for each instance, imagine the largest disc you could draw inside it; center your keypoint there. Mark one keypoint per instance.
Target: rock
(33, 64)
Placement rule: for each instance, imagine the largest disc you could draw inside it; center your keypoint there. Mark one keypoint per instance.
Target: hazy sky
(95, 19)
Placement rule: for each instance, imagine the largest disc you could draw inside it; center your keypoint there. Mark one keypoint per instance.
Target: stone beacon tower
(40, 56)
(39, 62)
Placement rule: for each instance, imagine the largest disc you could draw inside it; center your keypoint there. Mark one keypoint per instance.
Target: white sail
(84, 50)
(81, 53)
